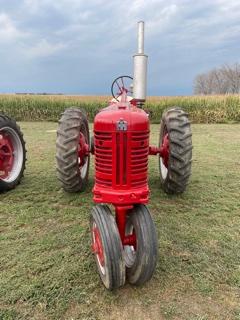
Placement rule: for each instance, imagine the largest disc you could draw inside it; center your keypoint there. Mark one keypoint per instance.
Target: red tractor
(125, 244)
(12, 153)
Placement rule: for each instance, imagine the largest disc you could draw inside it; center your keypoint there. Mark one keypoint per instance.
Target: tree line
(222, 80)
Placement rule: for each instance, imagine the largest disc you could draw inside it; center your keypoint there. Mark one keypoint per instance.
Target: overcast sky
(79, 46)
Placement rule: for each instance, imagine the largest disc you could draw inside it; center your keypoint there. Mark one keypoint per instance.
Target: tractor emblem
(122, 125)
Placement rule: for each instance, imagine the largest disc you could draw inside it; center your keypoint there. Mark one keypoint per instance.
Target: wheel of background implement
(107, 247)
(12, 154)
(175, 142)
(72, 154)
(140, 259)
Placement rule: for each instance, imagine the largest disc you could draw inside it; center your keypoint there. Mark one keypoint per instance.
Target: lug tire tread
(68, 132)
(180, 152)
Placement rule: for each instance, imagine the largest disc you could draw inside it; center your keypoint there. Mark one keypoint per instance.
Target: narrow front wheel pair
(116, 262)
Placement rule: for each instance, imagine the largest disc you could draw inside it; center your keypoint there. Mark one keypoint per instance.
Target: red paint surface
(6, 155)
(97, 246)
(164, 150)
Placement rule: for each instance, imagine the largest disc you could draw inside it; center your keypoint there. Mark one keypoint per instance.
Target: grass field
(46, 267)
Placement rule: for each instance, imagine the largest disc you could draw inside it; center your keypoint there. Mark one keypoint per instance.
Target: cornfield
(201, 109)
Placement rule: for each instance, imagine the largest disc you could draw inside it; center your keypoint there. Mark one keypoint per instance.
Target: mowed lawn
(47, 270)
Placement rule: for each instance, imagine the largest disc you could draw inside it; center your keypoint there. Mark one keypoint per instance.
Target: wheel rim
(11, 154)
(129, 250)
(83, 153)
(97, 248)
(164, 151)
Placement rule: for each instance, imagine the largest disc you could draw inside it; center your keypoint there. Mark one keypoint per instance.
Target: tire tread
(180, 152)
(68, 171)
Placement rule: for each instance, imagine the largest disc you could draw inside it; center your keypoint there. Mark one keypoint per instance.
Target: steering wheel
(120, 84)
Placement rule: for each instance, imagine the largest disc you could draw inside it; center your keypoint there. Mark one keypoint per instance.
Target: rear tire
(12, 145)
(141, 261)
(71, 173)
(107, 246)
(176, 169)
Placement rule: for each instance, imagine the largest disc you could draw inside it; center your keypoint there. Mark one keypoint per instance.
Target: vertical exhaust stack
(140, 69)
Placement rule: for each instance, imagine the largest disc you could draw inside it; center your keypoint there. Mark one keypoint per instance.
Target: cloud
(92, 41)
(8, 30)
(44, 48)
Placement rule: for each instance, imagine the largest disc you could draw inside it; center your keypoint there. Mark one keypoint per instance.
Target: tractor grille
(121, 159)
(121, 172)
(139, 159)
(103, 158)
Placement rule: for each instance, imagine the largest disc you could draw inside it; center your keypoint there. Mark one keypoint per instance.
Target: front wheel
(175, 143)
(12, 154)
(140, 259)
(107, 247)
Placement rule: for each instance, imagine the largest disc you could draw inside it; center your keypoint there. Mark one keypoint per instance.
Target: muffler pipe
(140, 37)
(140, 69)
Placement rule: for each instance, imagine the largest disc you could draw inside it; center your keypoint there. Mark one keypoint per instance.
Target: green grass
(46, 267)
